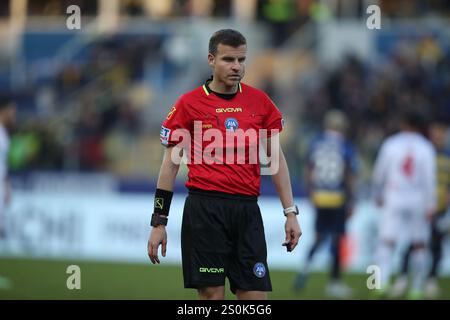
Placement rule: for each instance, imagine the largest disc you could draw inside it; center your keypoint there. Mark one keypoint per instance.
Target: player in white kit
(404, 181)
(7, 119)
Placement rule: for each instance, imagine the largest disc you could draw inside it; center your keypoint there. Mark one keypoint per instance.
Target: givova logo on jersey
(229, 109)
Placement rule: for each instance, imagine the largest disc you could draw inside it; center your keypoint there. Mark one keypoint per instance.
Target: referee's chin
(232, 82)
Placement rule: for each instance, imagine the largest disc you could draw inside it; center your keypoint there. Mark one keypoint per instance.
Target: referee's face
(228, 64)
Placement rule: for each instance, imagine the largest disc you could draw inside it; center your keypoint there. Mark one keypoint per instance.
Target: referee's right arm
(166, 181)
(168, 171)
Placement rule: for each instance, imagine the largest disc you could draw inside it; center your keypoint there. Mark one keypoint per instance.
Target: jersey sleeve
(351, 158)
(447, 170)
(310, 150)
(380, 170)
(273, 119)
(430, 179)
(177, 119)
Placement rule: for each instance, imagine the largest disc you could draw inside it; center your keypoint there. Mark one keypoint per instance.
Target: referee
(220, 124)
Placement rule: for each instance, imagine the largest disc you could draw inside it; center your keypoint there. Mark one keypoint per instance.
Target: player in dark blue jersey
(330, 175)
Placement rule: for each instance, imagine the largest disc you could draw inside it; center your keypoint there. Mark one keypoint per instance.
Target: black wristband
(158, 220)
(163, 198)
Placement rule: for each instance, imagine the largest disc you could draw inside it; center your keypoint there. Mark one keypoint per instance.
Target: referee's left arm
(282, 184)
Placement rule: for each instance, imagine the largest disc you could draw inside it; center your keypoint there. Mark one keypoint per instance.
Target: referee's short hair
(227, 37)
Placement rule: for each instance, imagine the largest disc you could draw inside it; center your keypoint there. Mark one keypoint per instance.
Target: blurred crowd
(373, 95)
(74, 113)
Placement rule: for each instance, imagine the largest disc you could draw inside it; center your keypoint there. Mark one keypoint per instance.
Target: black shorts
(222, 236)
(330, 220)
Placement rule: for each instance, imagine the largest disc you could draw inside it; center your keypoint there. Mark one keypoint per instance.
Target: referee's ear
(211, 59)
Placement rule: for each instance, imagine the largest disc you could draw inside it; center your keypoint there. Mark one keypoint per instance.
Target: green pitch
(46, 279)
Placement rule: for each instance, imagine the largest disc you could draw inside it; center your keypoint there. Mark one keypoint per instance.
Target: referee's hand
(293, 232)
(158, 236)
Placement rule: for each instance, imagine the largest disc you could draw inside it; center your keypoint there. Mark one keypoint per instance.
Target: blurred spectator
(280, 15)
(89, 140)
(222, 8)
(414, 8)
(132, 8)
(34, 147)
(58, 7)
(4, 8)
(24, 149)
(69, 79)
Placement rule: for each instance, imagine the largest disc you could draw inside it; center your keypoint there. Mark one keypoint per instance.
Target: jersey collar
(225, 96)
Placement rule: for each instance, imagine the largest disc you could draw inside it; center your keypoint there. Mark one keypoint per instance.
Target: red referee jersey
(217, 161)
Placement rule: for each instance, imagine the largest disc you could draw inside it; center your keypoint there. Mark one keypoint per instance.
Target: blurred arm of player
(350, 181)
(430, 185)
(447, 197)
(379, 175)
(8, 193)
(309, 180)
(282, 183)
(166, 181)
